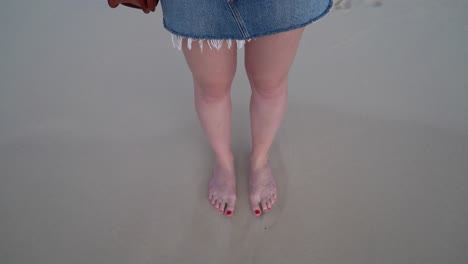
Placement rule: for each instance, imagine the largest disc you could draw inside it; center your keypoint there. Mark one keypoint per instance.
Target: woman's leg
(267, 63)
(213, 72)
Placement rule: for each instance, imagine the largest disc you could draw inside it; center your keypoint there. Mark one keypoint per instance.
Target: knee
(213, 89)
(269, 86)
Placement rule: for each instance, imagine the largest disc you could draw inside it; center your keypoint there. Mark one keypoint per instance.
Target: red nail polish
(228, 212)
(257, 212)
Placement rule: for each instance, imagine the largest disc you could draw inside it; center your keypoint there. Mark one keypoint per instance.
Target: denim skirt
(225, 21)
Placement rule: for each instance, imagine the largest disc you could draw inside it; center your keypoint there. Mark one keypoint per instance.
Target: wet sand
(102, 159)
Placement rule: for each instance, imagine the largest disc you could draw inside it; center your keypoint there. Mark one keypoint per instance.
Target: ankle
(258, 161)
(225, 161)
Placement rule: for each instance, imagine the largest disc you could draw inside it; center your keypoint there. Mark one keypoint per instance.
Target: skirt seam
(238, 18)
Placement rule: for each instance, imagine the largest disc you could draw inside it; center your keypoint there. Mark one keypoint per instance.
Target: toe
(222, 205)
(272, 202)
(229, 210)
(256, 209)
(268, 204)
(255, 205)
(264, 206)
(213, 201)
(230, 207)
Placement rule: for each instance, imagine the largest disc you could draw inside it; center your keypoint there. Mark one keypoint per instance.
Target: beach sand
(102, 159)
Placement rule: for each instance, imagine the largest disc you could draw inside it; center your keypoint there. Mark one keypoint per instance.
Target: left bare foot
(262, 189)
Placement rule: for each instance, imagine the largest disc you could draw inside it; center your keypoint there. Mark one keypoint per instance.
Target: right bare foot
(222, 189)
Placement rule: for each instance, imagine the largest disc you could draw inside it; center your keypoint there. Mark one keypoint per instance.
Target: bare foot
(222, 190)
(262, 189)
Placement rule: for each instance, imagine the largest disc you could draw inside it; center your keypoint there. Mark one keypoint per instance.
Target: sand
(102, 159)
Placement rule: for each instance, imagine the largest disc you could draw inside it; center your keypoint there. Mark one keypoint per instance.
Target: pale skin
(268, 60)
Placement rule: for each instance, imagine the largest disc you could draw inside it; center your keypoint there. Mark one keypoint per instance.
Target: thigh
(269, 58)
(211, 67)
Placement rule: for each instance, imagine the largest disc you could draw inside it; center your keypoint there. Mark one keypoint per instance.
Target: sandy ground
(102, 159)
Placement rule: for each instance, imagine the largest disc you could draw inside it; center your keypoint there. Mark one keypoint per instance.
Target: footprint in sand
(374, 3)
(342, 4)
(346, 4)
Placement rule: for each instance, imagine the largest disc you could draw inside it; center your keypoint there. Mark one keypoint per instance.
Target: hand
(145, 5)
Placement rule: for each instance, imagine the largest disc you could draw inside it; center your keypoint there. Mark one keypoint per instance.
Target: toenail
(257, 212)
(228, 212)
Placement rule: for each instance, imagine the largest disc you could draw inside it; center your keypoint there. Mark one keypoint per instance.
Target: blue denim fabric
(239, 19)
